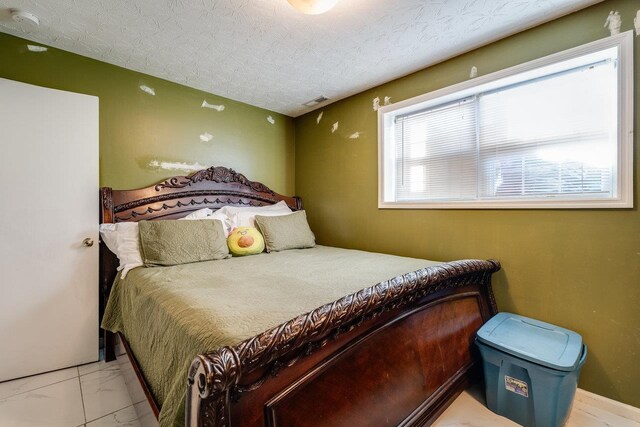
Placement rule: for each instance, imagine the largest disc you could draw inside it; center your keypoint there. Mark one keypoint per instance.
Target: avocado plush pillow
(286, 231)
(182, 242)
(245, 241)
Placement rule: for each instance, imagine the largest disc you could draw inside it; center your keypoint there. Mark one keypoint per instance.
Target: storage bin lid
(535, 341)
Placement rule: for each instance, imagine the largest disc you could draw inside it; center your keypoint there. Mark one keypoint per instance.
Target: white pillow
(122, 239)
(207, 213)
(199, 214)
(245, 216)
(248, 219)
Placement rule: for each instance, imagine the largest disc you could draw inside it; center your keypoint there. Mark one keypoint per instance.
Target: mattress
(170, 314)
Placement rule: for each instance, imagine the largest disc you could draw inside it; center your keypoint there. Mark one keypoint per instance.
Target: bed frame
(397, 353)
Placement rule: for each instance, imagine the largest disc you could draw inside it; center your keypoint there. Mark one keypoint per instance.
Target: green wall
(137, 129)
(576, 268)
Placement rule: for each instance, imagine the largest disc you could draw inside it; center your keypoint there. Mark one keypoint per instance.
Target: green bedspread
(171, 314)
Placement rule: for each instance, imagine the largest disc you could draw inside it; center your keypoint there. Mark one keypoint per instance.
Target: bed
(389, 341)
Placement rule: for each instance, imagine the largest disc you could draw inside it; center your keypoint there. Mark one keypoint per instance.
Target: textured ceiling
(265, 53)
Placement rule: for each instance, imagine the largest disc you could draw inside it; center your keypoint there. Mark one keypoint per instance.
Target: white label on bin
(516, 386)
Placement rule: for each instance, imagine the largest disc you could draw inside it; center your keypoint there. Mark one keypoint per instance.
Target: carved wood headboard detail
(174, 198)
(177, 196)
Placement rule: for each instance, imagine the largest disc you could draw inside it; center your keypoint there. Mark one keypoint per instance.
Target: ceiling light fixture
(313, 7)
(22, 17)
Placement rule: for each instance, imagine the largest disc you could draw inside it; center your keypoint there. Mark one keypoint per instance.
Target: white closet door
(48, 206)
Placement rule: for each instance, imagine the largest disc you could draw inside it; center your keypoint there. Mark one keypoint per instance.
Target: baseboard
(613, 406)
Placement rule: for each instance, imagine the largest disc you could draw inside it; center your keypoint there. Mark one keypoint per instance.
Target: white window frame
(386, 158)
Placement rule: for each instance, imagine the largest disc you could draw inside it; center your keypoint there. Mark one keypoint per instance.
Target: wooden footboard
(394, 354)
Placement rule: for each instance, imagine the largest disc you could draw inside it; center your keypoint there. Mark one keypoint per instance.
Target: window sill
(512, 204)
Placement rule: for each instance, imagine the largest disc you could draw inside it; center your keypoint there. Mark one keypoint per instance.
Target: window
(551, 133)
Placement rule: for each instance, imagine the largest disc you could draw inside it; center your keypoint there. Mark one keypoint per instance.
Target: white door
(48, 206)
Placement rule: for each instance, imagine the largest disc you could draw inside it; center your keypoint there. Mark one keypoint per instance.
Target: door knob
(88, 242)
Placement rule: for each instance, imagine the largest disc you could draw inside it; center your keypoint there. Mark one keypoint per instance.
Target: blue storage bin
(531, 369)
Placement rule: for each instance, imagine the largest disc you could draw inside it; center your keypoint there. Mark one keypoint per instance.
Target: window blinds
(554, 136)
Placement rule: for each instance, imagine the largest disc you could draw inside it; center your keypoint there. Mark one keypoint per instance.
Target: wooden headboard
(175, 198)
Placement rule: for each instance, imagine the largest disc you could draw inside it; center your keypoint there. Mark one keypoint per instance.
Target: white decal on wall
(271, 120)
(376, 103)
(613, 22)
(205, 104)
(636, 23)
(34, 48)
(387, 100)
(206, 137)
(147, 89)
(354, 135)
(334, 127)
(179, 166)
(474, 72)
(319, 117)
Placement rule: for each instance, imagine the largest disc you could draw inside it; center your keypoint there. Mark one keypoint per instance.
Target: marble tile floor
(95, 395)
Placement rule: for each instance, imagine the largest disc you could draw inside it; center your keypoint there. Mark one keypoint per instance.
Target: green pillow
(181, 242)
(286, 231)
